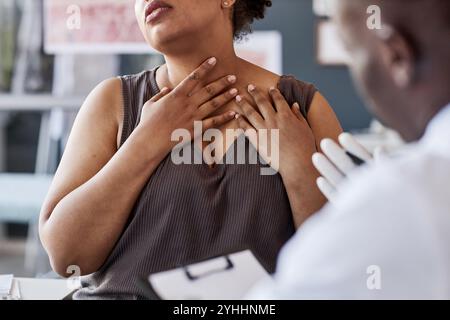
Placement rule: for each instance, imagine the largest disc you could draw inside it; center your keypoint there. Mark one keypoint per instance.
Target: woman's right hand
(190, 101)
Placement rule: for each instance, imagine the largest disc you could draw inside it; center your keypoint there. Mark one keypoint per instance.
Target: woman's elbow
(58, 259)
(63, 268)
(64, 259)
(67, 265)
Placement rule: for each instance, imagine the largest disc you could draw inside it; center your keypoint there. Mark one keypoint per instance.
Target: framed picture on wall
(321, 8)
(263, 48)
(85, 26)
(329, 48)
(110, 27)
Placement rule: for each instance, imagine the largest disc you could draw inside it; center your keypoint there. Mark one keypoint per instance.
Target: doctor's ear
(227, 4)
(398, 55)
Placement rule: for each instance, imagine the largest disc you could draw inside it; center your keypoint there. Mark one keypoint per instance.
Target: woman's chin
(159, 46)
(162, 41)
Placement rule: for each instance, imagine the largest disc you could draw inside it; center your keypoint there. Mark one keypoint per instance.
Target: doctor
(387, 234)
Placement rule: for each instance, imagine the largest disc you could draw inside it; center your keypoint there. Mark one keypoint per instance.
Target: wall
(296, 20)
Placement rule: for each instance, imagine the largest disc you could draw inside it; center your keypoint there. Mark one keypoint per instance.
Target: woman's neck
(178, 67)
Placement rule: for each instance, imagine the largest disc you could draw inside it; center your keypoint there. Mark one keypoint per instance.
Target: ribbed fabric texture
(188, 213)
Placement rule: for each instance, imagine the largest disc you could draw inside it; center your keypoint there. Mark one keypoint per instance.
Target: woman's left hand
(296, 143)
(295, 147)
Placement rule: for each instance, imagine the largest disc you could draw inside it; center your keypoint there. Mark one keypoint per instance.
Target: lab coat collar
(437, 135)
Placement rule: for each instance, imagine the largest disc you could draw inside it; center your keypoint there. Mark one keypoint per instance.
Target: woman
(120, 209)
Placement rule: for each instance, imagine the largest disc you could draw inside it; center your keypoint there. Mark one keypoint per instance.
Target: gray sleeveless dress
(189, 213)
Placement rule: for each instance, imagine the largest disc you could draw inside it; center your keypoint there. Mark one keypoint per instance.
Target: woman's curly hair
(245, 12)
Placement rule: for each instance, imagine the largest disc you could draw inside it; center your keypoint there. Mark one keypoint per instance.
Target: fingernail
(238, 98)
(233, 91)
(212, 61)
(232, 114)
(232, 79)
(296, 105)
(237, 116)
(251, 87)
(272, 89)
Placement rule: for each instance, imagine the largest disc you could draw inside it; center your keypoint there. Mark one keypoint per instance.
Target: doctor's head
(177, 25)
(400, 63)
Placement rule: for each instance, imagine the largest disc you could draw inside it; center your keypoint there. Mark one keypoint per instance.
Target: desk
(41, 289)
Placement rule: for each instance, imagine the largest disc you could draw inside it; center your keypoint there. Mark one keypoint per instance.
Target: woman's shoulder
(141, 84)
(105, 95)
(269, 79)
(260, 76)
(292, 82)
(137, 76)
(295, 90)
(292, 88)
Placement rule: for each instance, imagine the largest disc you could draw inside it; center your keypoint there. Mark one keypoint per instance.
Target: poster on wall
(329, 46)
(263, 48)
(110, 27)
(322, 8)
(86, 26)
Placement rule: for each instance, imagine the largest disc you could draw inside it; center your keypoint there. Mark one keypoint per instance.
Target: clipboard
(229, 277)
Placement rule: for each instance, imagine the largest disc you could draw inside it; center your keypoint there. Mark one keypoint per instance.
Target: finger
(327, 169)
(164, 91)
(243, 123)
(219, 120)
(379, 153)
(278, 99)
(327, 189)
(249, 130)
(349, 143)
(212, 105)
(264, 105)
(337, 156)
(213, 89)
(296, 110)
(187, 86)
(250, 113)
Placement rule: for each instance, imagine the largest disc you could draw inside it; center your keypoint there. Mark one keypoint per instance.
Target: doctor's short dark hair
(245, 12)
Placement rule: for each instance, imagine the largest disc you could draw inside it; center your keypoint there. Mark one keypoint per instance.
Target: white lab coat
(386, 237)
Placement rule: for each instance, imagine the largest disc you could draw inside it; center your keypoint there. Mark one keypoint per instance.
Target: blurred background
(53, 52)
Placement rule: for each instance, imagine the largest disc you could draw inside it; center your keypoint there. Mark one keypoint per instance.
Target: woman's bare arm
(96, 185)
(323, 121)
(304, 195)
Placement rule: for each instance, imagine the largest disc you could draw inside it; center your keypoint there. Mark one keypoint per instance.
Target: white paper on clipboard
(6, 282)
(225, 278)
